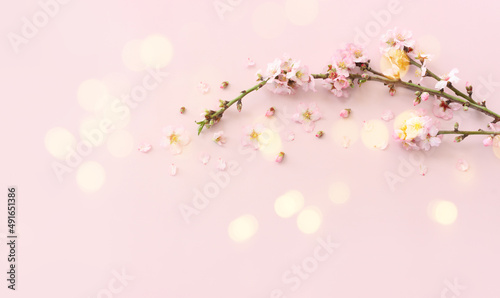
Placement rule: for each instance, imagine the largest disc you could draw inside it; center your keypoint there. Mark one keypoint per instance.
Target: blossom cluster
(344, 63)
(418, 132)
(286, 75)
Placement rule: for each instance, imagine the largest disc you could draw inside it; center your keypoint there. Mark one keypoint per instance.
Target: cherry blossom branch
(468, 132)
(212, 117)
(437, 78)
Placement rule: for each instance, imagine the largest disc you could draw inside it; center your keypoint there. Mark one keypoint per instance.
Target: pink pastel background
(118, 210)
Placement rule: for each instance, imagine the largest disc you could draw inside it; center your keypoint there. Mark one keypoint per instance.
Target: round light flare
(270, 144)
(395, 63)
(90, 176)
(443, 212)
(496, 146)
(289, 204)
(92, 94)
(309, 220)
(339, 192)
(131, 55)
(302, 12)
(59, 141)
(120, 143)
(243, 228)
(375, 134)
(269, 20)
(156, 51)
(345, 132)
(400, 119)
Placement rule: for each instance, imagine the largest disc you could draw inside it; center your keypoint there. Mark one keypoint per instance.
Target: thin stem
(468, 132)
(218, 114)
(449, 85)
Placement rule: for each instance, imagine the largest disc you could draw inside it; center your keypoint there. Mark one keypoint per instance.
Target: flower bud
(224, 85)
(417, 101)
(488, 141)
(424, 96)
(280, 157)
(319, 134)
(459, 139)
(182, 110)
(345, 113)
(455, 126)
(239, 105)
(270, 112)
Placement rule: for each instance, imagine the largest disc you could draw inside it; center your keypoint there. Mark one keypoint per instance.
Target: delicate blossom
(204, 158)
(219, 138)
(174, 139)
(285, 76)
(397, 39)
(145, 148)
(395, 63)
(203, 87)
(253, 136)
(423, 169)
(173, 170)
(388, 115)
(462, 165)
(221, 164)
(418, 132)
(343, 64)
(250, 63)
(444, 110)
(447, 78)
(307, 115)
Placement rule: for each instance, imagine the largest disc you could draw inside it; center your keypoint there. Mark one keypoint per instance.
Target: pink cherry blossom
(173, 170)
(221, 164)
(397, 39)
(286, 75)
(388, 115)
(307, 116)
(419, 132)
(462, 165)
(250, 63)
(145, 148)
(204, 158)
(204, 87)
(444, 110)
(424, 96)
(252, 136)
(219, 138)
(356, 52)
(450, 77)
(174, 139)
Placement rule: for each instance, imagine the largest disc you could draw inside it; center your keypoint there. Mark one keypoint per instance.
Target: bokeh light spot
(59, 141)
(288, 204)
(339, 192)
(243, 228)
(269, 20)
(309, 220)
(90, 176)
